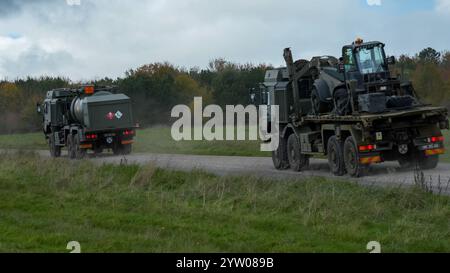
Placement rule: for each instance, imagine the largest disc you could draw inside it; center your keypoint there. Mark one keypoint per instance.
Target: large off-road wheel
(406, 162)
(79, 152)
(126, 149)
(98, 151)
(70, 147)
(297, 160)
(318, 106)
(428, 162)
(351, 158)
(280, 157)
(335, 157)
(121, 149)
(116, 149)
(55, 150)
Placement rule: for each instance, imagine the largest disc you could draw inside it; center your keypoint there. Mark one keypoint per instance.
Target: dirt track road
(382, 174)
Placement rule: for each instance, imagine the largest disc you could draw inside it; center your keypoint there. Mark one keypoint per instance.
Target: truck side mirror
(38, 108)
(391, 60)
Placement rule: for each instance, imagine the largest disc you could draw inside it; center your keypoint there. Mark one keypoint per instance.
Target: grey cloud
(9, 7)
(36, 62)
(107, 37)
(12, 7)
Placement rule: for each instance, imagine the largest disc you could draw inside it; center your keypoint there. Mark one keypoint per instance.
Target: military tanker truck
(352, 111)
(87, 118)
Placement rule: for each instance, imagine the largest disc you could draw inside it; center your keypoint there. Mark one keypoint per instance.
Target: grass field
(152, 140)
(47, 203)
(159, 140)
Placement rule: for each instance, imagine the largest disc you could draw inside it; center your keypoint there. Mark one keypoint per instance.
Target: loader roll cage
(366, 58)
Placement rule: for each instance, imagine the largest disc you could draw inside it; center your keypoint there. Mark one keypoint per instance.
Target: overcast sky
(107, 37)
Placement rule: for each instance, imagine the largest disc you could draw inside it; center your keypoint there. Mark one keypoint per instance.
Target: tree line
(155, 88)
(429, 71)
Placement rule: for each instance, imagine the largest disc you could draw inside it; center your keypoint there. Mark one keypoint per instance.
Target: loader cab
(365, 62)
(367, 75)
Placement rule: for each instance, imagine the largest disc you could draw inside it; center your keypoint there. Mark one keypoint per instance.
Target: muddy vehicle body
(88, 118)
(351, 111)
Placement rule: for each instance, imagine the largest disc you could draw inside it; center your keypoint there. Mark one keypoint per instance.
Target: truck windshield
(370, 60)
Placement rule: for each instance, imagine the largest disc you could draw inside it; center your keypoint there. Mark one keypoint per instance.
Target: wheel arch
(340, 86)
(323, 90)
(289, 130)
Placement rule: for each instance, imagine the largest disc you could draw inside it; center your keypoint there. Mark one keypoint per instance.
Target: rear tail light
(91, 136)
(367, 148)
(436, 139)
(128, 132)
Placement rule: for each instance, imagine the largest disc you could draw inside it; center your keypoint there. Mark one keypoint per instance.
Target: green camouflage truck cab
(352, 111)
(88, 118)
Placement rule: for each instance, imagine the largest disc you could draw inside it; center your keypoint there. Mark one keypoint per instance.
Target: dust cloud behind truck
(87, 118)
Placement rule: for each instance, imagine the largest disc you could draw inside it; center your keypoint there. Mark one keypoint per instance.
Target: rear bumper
(393, 154)
(108, 139)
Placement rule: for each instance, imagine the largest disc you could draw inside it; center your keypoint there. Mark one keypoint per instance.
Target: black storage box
(372, 103)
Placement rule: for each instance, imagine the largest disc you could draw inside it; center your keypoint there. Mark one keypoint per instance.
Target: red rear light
(128, 132)
(367, 148)
(437, 139)
(91, 136)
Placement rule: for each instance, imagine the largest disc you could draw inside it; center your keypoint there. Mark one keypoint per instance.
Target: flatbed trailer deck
(367, 119)
(354, 142)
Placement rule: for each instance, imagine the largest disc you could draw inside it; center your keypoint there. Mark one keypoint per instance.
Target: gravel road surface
(381, 174)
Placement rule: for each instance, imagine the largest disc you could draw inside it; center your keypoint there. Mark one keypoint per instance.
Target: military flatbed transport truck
(87, 118)
(352, 111)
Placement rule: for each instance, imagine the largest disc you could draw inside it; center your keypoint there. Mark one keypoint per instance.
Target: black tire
(318, 106)
(335, 156)
(406, 163)
(98, 151)
(55, 151)
(70, 147)
(126, 149)
(279, 156)
(297, 161)
(351, 158)
(117, 149)
(121, 149)
(79, 152)
(428, 162)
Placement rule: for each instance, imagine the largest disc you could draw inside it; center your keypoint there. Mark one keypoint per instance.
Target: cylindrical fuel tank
(102, 111)
(76, 110)
(79, 106)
